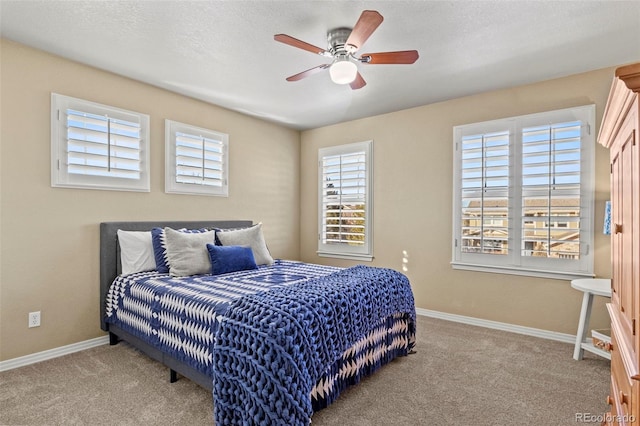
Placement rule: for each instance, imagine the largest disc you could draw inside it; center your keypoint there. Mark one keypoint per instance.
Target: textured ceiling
(223, 52)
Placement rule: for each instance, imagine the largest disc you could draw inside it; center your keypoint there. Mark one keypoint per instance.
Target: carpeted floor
(460, 375)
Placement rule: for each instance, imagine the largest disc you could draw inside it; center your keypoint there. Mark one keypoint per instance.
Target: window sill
(569, 275)
(349, 256)
(194, 191)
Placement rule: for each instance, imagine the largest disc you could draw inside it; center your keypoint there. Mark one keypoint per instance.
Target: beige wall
(49, 236)
(413, 187)
(49, 239)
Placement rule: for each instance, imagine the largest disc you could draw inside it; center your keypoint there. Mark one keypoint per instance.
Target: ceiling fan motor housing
(337, 39)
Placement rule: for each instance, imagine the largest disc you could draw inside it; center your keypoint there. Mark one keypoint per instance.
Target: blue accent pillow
(159, 243)
(225, 259)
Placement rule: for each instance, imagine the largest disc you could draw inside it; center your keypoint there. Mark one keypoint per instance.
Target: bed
(274, 341)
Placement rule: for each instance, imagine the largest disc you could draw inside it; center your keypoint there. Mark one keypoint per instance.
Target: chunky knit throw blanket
(272, 347)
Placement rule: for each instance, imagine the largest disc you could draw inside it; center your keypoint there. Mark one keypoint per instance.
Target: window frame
(344, 251)
(171, 185)
(60, 176)
(515, 262)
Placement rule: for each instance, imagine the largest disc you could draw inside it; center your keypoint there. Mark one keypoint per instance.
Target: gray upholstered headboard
(109, 248)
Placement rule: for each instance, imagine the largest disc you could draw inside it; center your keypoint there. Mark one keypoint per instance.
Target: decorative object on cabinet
(606, 230)
(590, 287)
(619, 132)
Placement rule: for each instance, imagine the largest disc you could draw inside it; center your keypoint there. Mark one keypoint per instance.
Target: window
(97, 146)
(523, 199)
(196, 160)
(345, 201)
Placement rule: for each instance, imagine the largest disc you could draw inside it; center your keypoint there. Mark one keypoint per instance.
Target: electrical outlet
(34, 319)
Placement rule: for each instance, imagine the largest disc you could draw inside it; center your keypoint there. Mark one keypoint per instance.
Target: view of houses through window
(559, 238)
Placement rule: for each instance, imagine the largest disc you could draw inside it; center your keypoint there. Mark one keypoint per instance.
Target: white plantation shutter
(485, 193)
(196, 160)
(551, 190)
(523, 199)
(102, 145)
(199, 160)
(97, 146)
(345, 201)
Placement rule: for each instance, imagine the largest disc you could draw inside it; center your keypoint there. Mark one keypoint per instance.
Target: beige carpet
(460, 375)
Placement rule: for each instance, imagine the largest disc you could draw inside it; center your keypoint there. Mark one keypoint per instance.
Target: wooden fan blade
(358, 83)
(283, 38)
(308, 72)
(367, 23)
(402, 57)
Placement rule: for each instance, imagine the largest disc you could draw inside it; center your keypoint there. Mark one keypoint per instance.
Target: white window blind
(98, 146)
(523, 199)
(345, 201)
(196, 160)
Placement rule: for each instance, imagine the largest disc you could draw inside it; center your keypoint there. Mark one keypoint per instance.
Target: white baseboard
(529, 331)
(52, 353)
(80, 346)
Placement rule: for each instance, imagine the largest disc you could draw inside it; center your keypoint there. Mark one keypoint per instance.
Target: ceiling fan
(343, 45)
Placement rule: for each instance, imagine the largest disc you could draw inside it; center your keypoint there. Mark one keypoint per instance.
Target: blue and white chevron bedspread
(180, 315)
(272, 347)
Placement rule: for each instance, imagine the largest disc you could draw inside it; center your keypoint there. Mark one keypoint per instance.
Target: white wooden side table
(590, 287)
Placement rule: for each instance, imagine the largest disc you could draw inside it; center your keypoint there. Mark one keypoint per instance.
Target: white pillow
(136, 251)
(187, 252)
(249, 237)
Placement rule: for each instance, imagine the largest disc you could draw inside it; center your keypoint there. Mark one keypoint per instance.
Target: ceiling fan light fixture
(343, 71)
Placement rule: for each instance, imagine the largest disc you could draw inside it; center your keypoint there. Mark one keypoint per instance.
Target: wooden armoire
(620, 132)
